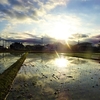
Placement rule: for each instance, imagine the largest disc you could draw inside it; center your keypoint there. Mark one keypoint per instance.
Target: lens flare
(61, 62)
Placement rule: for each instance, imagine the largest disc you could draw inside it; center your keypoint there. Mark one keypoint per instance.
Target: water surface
(7, 59)
(56, 77)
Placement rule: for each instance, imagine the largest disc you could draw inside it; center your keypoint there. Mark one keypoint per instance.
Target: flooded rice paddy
(56, 77)
(6, 60)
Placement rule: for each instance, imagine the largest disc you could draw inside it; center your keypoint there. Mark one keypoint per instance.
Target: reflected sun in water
(61, 62)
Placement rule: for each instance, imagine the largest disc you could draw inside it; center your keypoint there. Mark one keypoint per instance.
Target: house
(49, 47)
(85, 46)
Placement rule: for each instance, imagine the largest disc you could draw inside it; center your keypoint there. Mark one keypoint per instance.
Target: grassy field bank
(7, 77)
(88, 55)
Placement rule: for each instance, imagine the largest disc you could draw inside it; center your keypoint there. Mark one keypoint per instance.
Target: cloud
(62, 24)
(78, 37)
(51, 4)
(96, 36)
(38, 15)
(27, 9)
(14, 2)
(94, 39)
(29, 39)
(3, 1)
(48, 24)
(17, 11)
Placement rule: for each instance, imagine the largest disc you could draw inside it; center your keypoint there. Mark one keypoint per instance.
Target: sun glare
(61, 31)
(61, 62)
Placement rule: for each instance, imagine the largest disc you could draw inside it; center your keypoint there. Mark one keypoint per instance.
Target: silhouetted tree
(17, 46)
(38, 47)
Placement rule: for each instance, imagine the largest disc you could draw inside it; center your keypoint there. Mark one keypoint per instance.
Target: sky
(67, 20)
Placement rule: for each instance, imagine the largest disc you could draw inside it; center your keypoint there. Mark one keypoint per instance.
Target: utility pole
(42, 40)
(78, 35)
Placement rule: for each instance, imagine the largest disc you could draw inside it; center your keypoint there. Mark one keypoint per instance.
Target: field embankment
(7, 77)
(95, 56)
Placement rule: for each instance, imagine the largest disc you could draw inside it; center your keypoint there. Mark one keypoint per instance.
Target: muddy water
(7, 59)
(56, 77)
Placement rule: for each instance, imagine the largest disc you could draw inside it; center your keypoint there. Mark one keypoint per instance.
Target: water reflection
(17, 54)
(40, 78)
(6, 59)
(77, 60)
(61, 62)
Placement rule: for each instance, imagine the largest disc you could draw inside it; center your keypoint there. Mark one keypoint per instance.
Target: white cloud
(51, 4)
(27, 10)
(61, 24)
(4, 2)
(37, 12)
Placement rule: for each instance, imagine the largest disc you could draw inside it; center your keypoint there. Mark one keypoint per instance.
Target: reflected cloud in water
(52, 77)
(6, 59)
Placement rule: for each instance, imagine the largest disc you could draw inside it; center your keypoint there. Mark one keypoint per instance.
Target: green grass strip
(81, 55)
(86, 55)
(7, 77)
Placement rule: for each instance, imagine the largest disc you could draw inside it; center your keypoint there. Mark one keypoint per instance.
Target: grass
(7, 77)
(81, 55)
(86, 55)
